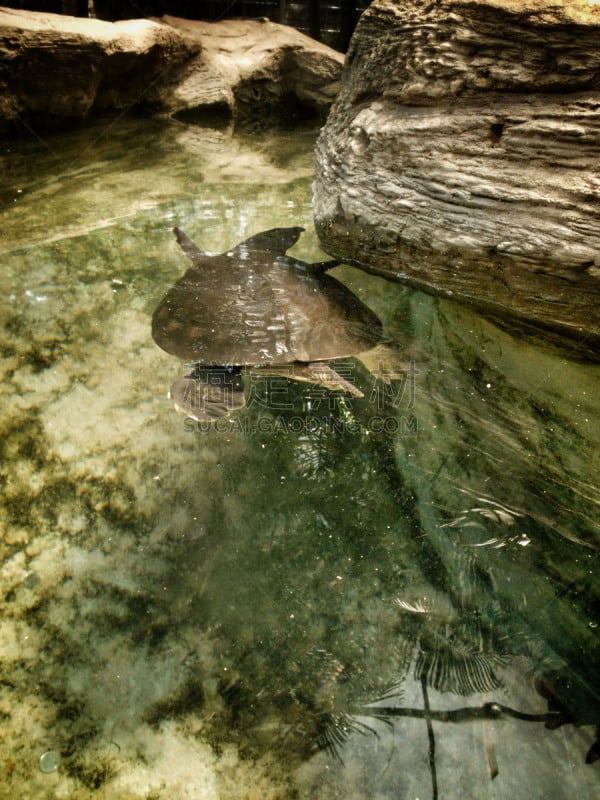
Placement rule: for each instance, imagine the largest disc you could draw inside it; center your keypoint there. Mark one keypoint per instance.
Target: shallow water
(220, 613)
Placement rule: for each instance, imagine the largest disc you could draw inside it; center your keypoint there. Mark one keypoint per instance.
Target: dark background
(328, 21)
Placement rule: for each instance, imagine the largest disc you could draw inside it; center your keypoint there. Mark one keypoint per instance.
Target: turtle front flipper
(276, 241)
(209, 393)
(314, 270)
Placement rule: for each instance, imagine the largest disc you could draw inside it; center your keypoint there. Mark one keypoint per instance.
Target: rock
(255, 71)
(56, 69)
(462, 156)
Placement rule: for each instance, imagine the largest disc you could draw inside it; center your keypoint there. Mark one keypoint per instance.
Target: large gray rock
(256, 71)
(463, 155)
(56, 69)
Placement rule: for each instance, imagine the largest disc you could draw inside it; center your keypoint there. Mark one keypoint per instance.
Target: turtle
(254, 309)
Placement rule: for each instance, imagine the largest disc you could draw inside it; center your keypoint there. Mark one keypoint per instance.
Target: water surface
(392, 596)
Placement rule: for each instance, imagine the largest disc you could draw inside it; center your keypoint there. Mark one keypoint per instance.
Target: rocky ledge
(255, 71)
(463, 156)
(56, 70)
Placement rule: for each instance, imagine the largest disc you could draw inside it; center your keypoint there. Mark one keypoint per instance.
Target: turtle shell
(254, 306)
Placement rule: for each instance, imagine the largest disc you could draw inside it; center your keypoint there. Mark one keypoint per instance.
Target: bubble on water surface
(49, 761)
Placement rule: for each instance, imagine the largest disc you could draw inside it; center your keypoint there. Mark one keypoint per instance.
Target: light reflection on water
(191, 612)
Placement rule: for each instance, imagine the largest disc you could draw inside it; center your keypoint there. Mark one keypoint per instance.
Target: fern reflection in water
(450, 664)
(466, 641)
(467, 630)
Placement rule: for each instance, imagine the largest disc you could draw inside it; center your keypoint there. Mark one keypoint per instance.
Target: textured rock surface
(256, 70)
(463, 155)
(55, 69)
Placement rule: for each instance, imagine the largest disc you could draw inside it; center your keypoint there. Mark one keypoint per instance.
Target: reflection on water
(329, 596)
